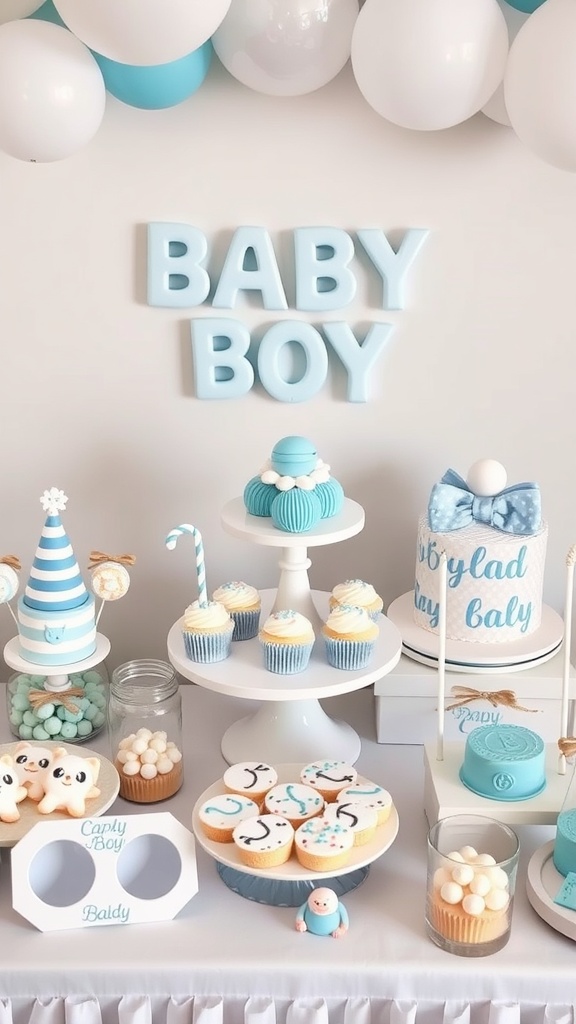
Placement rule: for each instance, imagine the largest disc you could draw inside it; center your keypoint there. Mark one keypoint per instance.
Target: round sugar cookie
(110, 580)
(8, 582)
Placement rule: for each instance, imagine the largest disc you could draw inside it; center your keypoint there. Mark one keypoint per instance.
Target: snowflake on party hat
(53, 501)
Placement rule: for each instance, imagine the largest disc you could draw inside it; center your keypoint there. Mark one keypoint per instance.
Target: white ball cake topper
(486, 478)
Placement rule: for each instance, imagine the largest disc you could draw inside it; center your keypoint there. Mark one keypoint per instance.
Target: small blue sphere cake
(504, 762)
(294, 488)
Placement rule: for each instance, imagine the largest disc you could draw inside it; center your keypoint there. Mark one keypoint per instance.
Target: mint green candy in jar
(71, 708)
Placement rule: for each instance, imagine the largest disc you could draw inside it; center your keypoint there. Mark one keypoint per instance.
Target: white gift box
(406, 704)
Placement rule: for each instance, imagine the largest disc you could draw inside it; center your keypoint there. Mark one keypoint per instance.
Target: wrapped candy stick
(172, 540)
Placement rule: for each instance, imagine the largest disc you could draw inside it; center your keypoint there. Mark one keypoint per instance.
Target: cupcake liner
(349, 654)
(207, 647)
(455, 925)
(286, 659)
(246, 624)
(150, 791)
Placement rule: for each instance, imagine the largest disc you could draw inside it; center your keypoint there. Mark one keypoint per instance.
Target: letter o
(314, 349)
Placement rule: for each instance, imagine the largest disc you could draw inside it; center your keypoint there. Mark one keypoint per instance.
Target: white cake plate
(14, 660)
(291, 724)
(289, 884)
(445, 794)
(542, 884)
(108, 783)
(528, 652)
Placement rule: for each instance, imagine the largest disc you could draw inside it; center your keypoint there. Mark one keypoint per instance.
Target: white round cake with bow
(494, 540)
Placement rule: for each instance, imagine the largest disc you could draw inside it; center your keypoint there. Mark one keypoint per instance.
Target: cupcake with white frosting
(242, 602)
(207, 632)
(359, 594)
(350, 637)
(287, 639)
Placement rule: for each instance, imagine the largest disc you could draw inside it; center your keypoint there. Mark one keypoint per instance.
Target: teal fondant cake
(504, 762)
(565, 842)
(295, 488)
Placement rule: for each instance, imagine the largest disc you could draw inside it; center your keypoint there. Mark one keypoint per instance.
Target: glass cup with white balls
(145, 726)
(471, 876)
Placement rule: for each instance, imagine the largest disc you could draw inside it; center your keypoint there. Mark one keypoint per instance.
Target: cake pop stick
(570, 561)
(171, 541)
(442, 579)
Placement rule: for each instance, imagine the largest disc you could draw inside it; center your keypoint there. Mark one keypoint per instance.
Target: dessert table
(227, 960)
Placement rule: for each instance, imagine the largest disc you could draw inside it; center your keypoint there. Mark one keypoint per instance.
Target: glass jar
(145, 723)
(69, 708)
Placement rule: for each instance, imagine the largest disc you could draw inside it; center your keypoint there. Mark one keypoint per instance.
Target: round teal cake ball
(294, 456)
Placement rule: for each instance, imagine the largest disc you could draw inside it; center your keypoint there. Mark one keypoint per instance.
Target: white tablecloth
(227, 960)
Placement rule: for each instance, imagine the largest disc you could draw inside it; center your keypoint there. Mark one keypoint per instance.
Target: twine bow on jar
(98, 557)
(38, 698)
(504, 698)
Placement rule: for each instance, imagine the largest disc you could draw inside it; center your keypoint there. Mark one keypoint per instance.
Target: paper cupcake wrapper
(460, 927)
(349, 654)
(207, 647)
(246, 624)
(286, 658)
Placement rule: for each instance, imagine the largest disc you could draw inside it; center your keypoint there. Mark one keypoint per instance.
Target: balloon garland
(421, 66)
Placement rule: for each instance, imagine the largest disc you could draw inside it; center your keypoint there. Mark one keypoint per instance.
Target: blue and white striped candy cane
(171, 541)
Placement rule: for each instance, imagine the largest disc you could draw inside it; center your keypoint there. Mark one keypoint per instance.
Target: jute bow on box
(504, 698)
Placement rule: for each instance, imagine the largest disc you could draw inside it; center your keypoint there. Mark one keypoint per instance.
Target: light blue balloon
(157, 86)
(526, 6)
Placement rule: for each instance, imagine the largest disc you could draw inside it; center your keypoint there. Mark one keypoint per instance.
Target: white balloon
(540, 83)
(429, 66)
(143, 32)
(286, 47)
(495, 109)
(52, 94)
(10, 10)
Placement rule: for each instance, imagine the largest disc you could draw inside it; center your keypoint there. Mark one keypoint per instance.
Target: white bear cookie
(31, 764)
(11, 792)
(69, 782)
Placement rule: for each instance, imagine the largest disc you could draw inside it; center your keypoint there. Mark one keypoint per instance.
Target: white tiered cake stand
(290, 725)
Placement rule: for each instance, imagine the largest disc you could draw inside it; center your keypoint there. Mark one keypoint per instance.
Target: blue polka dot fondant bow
(452, 506)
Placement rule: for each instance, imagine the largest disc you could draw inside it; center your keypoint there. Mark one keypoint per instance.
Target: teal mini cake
(565, 842)
(504, 762)
(294, 489)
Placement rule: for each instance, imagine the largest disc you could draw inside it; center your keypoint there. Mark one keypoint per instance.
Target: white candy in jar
(480, 884)
(148, 771)
(451, 892)
(463, 875)
(497, 899)
(131, 768)
(473, 905)
(468, 853)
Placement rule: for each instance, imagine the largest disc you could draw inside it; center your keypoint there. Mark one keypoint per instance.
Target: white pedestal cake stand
(291, 725)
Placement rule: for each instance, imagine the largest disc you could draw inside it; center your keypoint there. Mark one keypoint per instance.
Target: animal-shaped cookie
(69, 783)
(31, 763)
(11, 792)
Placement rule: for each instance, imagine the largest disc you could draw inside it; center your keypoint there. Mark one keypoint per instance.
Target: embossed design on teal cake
(565, 842)
(504, 762)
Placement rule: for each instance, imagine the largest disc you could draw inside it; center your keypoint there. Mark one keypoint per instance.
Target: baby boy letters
(323, 281)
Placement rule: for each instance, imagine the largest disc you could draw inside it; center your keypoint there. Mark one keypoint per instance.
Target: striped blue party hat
(55, 582)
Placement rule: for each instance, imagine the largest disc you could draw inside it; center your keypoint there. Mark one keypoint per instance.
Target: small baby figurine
(323, 914)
